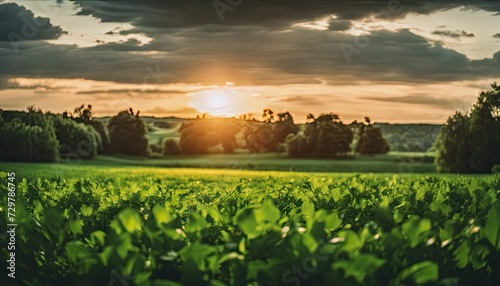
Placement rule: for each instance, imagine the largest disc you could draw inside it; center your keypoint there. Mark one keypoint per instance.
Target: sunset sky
(395, 61)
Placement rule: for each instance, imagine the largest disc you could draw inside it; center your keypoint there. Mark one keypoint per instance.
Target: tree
(27, 137)
(75, 139)
(325, 136)
(485, 131)
(84, 114)
(268, 115)
(452, 145)
(284, 126)
(370, 140)
(268, 135)
(471, 143)
(127, 134)
(170, 147)
(197, 136)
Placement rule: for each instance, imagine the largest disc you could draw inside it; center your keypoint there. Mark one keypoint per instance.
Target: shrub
(75, 139)
(170, 147)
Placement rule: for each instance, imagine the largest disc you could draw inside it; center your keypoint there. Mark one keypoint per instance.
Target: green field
(130, 225)
(394, 162)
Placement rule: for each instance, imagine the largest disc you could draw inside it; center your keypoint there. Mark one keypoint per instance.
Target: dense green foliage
(325, 136)
(76, 139)
(27, 137)
(470, 143)
(370, 140)
(201, 227)
(267, 136)
(170, 147)
(127, 134)
(34, 136)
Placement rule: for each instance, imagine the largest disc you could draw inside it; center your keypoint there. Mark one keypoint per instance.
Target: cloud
(204, 55)
(163, 92)
(190, 45)
(422, 99)
(270, 14)
(453, 34)
(165, 111)
(19, 24)
(301, 99)
(339, 25)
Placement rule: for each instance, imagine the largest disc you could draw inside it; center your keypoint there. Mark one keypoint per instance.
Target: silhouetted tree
(326, 136)
(268, 135)
(370, 140)
(84, 114)
(268, 115)
(453, 146)
(127, 134)
(471, 143)
(197, 136)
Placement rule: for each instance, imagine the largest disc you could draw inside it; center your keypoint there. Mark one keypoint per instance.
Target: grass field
(389, 163)
(102, 224)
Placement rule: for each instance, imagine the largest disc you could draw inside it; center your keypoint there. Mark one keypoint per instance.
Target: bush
(76, 139)
(170, 147)
(155, 148)
(105, 146)
(127, 134)
(495, 169)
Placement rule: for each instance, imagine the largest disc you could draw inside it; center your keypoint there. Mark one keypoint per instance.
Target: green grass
(280, 162)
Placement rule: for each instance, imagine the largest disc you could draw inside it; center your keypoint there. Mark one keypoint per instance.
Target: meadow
(393, 162)
(101, 224)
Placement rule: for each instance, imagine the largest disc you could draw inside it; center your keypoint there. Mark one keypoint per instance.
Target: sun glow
(217, 102)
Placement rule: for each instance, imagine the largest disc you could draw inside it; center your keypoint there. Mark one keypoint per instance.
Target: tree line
(324, 136)
(35, 136)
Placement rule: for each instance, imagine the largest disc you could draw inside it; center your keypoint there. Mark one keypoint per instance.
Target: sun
(217, 101)
(223, 101)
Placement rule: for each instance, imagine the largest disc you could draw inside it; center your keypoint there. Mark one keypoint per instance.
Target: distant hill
(410, 137)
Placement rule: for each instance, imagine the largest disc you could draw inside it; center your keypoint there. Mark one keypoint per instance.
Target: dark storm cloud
(294, 57)
(454, 34)
(265, 13)
(422, 99)
(19, 24)
(190, 45)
